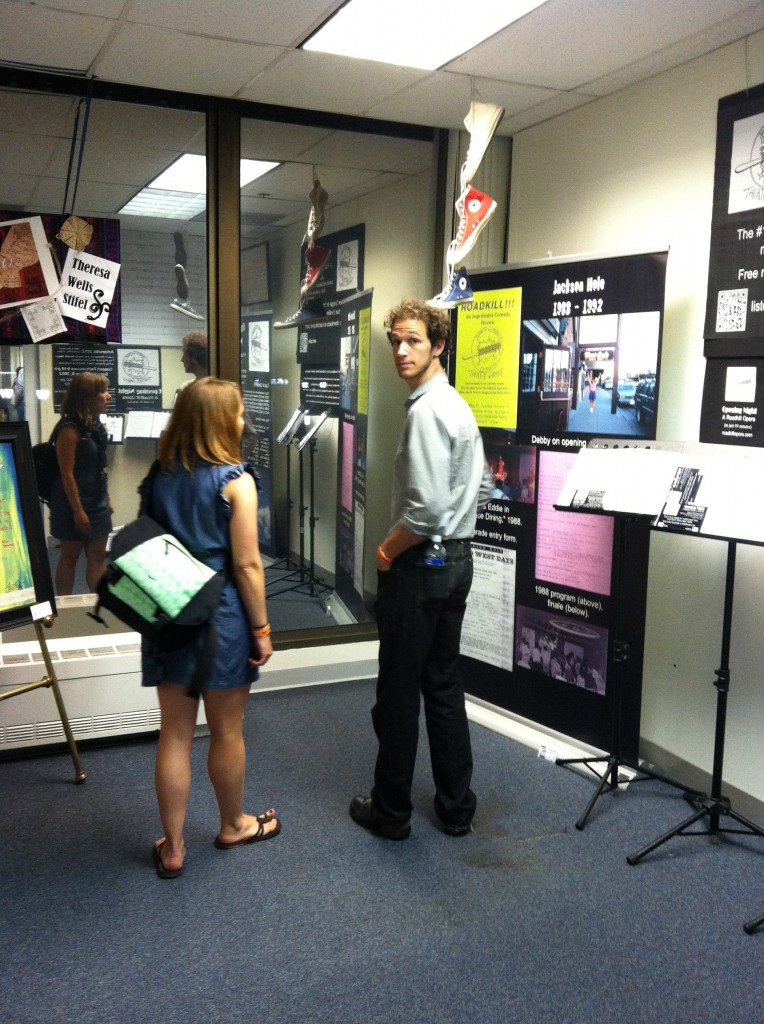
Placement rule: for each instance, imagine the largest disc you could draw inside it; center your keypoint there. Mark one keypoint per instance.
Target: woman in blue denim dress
(207, 497)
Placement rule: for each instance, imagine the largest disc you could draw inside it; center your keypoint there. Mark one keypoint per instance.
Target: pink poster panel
(572, 550)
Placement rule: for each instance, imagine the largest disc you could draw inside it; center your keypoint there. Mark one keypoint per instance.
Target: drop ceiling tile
(169, 59)
(106, 8)
(21, 153)
(276, 22)
(37, 113)
(112, 126)
(565, 43)
(33, 34)
(375, 152)
(321, 81)
(444, 99)
(274, 140)
(18, 190)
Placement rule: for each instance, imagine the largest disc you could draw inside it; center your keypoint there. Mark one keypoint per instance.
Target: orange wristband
(259, 631)
(383, 556)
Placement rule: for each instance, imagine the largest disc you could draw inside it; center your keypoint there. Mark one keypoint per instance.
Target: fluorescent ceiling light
(180, 191)
(414, 33)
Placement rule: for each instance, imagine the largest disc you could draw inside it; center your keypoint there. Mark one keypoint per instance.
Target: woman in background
(206, 496)
(80, 507)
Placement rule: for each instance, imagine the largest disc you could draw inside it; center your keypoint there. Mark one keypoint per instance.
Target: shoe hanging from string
(181, 303)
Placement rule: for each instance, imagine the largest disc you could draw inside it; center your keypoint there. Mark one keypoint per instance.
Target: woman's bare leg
(173, 767)
(226, 762)
(68, 554)
(95, 553)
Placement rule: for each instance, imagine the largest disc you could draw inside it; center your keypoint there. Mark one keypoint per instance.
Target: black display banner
(257, 442)
(353, 431)
(135, 374)
(548, 356)
(318, 344)
(320, 387)
(732, 396)
(734, 324)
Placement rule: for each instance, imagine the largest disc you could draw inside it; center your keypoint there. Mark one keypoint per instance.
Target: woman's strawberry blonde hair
(204, 426)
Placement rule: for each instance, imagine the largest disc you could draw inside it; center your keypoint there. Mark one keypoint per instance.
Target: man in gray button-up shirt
(440, 478)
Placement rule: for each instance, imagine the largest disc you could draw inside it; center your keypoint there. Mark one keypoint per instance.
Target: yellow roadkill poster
(487, 356)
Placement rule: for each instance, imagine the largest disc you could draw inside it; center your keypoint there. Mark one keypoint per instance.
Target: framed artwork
(26, 586)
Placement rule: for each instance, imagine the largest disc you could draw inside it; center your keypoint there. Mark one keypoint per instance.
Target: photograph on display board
(349, 371)
(27, 272)
(259, 351)
(591, 375)
(561, 648)
(513, 467)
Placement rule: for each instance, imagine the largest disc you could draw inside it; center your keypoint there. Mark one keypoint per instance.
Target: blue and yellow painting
(16, 581)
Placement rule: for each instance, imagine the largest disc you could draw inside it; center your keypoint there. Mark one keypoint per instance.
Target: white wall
(634, 172)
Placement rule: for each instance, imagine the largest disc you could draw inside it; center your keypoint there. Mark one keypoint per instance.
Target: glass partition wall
(227, 258)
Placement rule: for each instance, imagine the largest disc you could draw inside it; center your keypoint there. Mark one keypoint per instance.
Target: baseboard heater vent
(52, 731)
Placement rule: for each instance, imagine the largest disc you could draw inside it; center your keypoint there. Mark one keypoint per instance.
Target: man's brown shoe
(362, 812)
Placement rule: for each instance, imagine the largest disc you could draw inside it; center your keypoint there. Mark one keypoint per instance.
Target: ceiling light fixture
(414, 33)
(180, 191)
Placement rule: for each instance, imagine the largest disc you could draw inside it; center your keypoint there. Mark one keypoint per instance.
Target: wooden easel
(49, 679)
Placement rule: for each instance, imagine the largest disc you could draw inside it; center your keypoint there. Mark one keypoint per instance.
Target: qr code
(731, 308)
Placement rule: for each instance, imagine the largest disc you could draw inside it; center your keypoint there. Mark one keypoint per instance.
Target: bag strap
(145, 486)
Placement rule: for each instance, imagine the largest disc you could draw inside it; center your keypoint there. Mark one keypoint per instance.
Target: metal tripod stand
(303, 578)
(714, 807)
(611, 775)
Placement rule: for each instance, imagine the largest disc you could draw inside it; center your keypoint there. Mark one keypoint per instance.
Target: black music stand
(714, 807)
(285, 438)
(595, 485)
(610, 776)
(300, 432)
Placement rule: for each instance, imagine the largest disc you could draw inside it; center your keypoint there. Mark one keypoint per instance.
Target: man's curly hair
(436, 321)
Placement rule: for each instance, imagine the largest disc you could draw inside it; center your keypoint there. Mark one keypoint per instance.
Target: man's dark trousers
(419, 611)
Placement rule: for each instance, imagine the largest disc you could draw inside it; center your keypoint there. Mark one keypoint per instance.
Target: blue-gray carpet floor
(527, 920)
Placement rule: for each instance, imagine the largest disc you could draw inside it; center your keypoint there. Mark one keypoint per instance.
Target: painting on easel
(26, 587)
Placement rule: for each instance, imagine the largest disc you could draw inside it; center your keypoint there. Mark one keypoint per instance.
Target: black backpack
(45, 459)
(45, 468)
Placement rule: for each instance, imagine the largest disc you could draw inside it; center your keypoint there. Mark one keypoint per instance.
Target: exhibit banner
(548, 356)
(734, 324)
(257, 441)
(319, 343)
(135, 374)
(355, 314)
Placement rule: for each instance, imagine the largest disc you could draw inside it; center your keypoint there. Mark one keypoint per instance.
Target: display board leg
(751, 926)
(50, 680)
